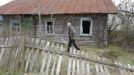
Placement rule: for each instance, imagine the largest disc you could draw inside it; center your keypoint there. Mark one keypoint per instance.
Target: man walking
(71, 34)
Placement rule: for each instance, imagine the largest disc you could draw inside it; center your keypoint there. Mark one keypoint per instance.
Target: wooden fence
(34, 56)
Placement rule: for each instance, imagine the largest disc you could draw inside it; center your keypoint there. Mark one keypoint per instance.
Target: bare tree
(122, 24)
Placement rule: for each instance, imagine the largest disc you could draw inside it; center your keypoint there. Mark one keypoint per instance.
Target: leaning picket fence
(34, 56)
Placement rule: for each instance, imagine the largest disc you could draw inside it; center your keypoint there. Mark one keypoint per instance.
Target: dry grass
(112, 52)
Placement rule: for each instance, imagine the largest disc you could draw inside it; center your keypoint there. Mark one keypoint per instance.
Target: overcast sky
(6, 1)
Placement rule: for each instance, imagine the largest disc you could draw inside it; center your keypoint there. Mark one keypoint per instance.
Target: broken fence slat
(87, 66)
(48, 63)
(49, 57)
(83, 64)
(2, 51)
(69, 64)
(54, 65)
(29, 63)
(55, 60)
(97, 67)
(130, 73)
(73, 63)
(78, 64)
(27, 60)
(59, 62)
(36, 62)
(105, 67)
(44, 62)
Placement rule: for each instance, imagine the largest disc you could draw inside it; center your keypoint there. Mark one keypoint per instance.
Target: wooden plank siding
(99, 28)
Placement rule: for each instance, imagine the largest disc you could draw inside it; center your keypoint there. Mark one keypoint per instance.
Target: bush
(123, 38)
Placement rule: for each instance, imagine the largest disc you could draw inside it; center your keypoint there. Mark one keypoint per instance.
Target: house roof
(58, 7)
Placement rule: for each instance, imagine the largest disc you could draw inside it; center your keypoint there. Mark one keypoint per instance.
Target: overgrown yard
(114, 53)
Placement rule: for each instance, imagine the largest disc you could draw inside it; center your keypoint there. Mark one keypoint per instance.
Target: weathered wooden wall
(99, 29)
(99, 34)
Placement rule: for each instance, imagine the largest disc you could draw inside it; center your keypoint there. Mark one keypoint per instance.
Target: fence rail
(34, 56)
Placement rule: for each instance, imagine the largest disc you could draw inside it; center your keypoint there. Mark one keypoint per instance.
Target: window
(1, 20)
(49, 27)
(15, 26)
(86, 26)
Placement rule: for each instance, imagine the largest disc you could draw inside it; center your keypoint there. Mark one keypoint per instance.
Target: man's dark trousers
(72, 41)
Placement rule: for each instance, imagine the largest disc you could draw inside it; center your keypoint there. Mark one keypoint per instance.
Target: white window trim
(81, 28)
(46, 27)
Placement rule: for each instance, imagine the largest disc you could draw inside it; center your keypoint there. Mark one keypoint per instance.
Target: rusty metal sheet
(58, 7)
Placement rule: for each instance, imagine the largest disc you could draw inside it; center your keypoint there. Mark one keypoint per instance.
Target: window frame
(13, 22)
(52, 27)
(81, 28)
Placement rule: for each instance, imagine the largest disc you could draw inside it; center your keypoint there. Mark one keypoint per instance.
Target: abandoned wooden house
(48, 18)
